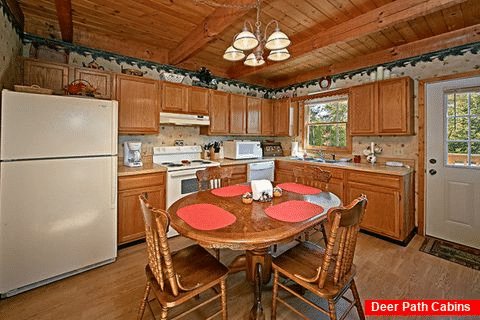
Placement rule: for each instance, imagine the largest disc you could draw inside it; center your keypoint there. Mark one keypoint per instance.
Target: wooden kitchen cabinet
(219, 114)
(238, 114)
(390, 208)
(362, 108)
(130, 220)
(239, 173)
(198, 100)
(254, 116)
(100, 80)
(281, 117)
(174, 97)
(45, 74)
(382, 108)
(395, 107)
(267, 117)
(138, 105)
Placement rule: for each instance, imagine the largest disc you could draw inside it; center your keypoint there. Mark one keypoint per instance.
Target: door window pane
(463, 128)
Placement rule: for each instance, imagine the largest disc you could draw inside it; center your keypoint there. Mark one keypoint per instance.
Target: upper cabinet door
(362, 109)
(174, 97)
(238, 114)
(138, 110)
(219, 113)
(198, 100)
(281, 116)
(254, 115)
(100, 80)
(46, 75)
(395, 101)
(267, 117)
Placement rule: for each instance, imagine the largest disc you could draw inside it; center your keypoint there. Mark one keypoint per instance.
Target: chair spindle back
(312, 176)
(342, 241)
(213, 177)
(158, 251)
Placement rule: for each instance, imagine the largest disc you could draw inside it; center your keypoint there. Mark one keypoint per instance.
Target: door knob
(432, 172)
(433, 161)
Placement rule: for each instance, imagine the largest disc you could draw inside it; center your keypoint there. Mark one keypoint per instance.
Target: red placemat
(232, 191)
(298, 188)
(293, 211)
(206, 216)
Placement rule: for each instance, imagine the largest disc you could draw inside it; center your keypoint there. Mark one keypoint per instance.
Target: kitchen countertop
(366, 167)
(146, 168)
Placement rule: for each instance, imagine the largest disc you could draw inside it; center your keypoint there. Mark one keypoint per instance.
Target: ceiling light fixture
(251, 38)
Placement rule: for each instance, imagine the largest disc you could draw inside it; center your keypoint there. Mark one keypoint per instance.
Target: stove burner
(201, 161)
(171, 164)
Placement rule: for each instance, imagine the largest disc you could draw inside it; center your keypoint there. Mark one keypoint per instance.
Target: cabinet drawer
(375, 179)
(141, 180)
(238, 169)
(336, 172)
(286, 165)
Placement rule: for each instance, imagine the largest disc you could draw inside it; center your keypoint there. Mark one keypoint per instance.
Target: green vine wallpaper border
(473, 48)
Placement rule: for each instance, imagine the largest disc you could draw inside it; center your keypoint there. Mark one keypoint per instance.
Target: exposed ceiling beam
(16, 11)
(64, 13)
(207, 31)
(443, 41)
(365, 24)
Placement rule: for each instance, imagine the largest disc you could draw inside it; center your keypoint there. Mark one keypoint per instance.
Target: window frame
(469, 140)
(341, 94)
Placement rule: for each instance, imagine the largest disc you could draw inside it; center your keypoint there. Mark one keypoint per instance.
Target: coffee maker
(132, 154)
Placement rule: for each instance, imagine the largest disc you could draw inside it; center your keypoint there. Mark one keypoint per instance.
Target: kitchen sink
(310, 159)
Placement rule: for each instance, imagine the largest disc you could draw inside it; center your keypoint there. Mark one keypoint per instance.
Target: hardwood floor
(385, 271)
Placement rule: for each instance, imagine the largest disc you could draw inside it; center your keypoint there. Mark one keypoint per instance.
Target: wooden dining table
(253, 231)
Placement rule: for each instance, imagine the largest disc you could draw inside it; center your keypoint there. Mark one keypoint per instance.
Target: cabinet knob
(432, 172)
(433, 161)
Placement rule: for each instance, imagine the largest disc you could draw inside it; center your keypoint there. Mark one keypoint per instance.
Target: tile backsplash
(190, 136)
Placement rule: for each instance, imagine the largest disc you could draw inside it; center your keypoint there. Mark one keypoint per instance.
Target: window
(462, 141)
(326, 123)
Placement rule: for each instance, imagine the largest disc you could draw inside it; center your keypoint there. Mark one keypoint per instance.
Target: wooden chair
(177, 277)
(213, 177)
(327, 273)
(315, 177)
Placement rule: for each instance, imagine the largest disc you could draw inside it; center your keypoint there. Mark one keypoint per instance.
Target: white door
(56, 216)
(453, 161)
(40, 126)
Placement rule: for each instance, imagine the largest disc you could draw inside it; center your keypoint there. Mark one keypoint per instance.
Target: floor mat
(466, 256)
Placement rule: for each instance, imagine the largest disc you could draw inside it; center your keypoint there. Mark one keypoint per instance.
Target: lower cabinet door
(383, 208)
(130, 220)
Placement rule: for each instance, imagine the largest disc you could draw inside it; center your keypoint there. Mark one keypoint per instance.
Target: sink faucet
(321, 155)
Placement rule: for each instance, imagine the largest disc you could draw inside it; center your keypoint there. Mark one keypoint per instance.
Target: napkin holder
(261, 188)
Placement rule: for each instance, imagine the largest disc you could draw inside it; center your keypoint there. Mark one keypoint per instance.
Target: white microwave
(242, 149)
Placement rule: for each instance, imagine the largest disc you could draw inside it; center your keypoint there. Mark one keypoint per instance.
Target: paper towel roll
(294, 148)
(261, 186)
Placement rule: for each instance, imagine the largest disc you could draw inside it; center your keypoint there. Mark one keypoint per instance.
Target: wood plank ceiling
(328, 36)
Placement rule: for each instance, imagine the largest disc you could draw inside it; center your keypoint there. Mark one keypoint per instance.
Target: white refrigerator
(58, 190)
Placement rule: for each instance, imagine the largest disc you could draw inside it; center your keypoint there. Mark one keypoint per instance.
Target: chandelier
(251, 38)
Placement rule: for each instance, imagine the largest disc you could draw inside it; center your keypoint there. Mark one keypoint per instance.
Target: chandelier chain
(214, 3)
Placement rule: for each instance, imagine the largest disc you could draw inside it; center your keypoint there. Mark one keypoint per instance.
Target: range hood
(181, 119)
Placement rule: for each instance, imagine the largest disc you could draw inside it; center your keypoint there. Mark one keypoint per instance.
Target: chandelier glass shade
(252, 39)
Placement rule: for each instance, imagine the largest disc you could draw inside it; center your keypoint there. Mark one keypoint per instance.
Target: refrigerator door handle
(113, 180)
(114, 126)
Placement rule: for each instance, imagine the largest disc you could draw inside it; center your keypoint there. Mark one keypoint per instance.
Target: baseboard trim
(403, 243)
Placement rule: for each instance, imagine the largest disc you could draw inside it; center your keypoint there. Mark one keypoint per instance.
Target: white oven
(180, 183)
(181, 162)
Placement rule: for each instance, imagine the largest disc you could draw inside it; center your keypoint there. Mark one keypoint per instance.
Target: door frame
(422, 111)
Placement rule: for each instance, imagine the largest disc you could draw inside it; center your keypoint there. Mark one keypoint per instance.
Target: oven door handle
(182, 174)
